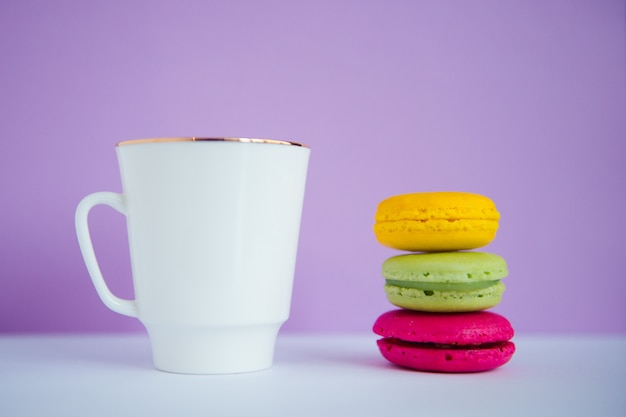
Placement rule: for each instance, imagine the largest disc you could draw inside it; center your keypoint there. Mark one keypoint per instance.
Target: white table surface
(313, 375)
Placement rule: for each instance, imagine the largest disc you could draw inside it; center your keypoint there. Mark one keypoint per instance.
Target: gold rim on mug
(194, 139)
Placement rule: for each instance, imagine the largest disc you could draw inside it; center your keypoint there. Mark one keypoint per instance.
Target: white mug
(213, 229)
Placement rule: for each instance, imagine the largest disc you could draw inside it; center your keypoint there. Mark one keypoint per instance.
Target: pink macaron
(451, 342)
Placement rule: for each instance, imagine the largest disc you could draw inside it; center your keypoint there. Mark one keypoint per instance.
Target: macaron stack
(442, 285)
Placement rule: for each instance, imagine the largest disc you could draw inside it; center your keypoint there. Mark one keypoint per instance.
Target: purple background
(523, 101)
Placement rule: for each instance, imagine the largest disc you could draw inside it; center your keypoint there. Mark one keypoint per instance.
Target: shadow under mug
(213, 227)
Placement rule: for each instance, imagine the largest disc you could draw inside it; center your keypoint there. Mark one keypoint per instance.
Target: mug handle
(116, 201)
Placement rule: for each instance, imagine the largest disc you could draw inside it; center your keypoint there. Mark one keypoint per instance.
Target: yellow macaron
(436, 221)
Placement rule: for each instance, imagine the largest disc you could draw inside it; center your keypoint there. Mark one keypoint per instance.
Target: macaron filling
(427, 345)
(430, 287)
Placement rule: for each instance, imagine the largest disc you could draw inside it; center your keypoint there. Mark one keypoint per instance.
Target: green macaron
(445, 281)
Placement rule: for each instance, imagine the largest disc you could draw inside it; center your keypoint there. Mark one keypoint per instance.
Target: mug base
(213, 350)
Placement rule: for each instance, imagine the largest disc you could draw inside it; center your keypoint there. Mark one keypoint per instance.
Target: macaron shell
(436, 205)
(445, 301)
(445, 267)
(404, 235)
(474, 328)
(426, 358)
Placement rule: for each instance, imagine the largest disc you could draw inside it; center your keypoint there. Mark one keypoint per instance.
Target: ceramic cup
(213, 230)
